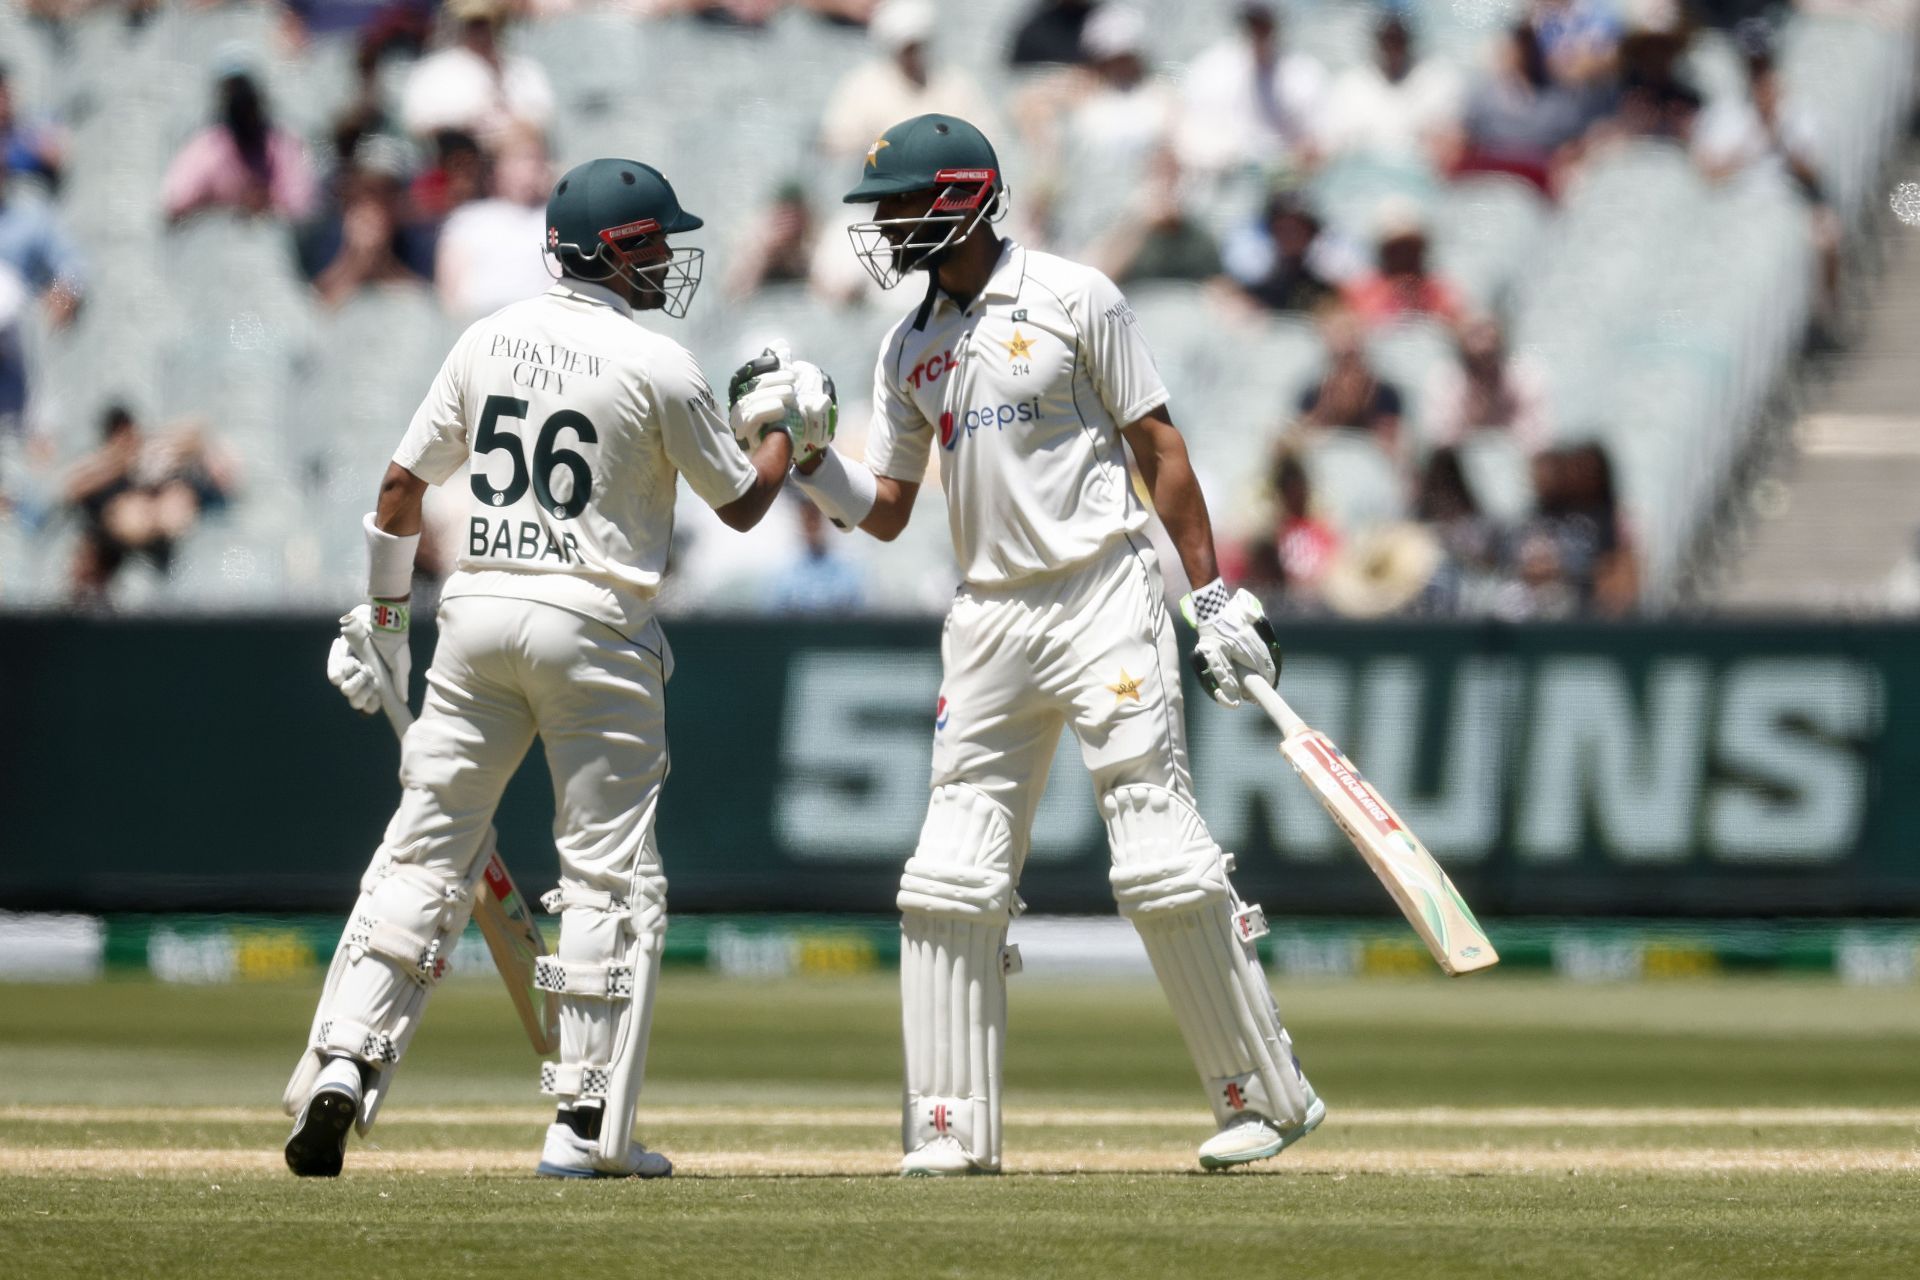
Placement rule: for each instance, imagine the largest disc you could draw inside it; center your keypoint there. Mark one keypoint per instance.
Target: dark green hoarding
(1692, 769)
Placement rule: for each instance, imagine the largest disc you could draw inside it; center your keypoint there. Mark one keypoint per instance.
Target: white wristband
(389, 562)
(844, 494)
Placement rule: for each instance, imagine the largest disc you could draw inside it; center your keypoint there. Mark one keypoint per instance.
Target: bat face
(1415, 880)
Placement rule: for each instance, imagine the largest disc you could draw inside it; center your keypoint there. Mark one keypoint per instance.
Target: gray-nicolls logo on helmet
(607, 223)
(953, 163)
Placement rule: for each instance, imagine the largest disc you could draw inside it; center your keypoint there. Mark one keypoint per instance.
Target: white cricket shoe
(1257, 1138)
(568, 1155)
(317, 1148)
(944, 1157)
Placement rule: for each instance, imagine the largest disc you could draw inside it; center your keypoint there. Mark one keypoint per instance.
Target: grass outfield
(1484, 1127)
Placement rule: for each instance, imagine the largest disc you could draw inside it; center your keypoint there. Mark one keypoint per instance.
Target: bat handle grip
(391, 700)
(1272, 703)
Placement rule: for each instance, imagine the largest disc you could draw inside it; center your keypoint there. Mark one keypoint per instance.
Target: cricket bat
(1424, 894)
(505, 921)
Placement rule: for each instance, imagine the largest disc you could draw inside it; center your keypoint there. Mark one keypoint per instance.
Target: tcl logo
(929, 371)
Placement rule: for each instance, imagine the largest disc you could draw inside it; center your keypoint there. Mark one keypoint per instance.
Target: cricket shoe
(1257, 1138)
(944, 1157)
(569, 1155)
(317, 1147)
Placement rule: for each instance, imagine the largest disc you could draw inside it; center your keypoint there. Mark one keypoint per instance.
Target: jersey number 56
(547, 457)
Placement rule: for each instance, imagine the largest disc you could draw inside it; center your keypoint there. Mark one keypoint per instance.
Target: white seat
(1353, 480)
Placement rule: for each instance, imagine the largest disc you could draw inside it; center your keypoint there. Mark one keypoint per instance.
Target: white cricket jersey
(577, 421)
(1024, 392)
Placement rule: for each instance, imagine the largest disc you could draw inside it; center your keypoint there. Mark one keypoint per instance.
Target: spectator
(820, 579)
(458, 174)
(1392, 108)
(1518, 120)
(36, 248)
(371, 240)
(748, 15)
(492, 252)
(779, 248)
(1474, 545)
(37, 260)
(35, 150)
(1296, 279)
(1249, 103)
(1488, 390)
(242, 162)
(1402, 286)
(1351, 395)
(1127, 113)
(1287, 238)
(1580, 40)
(880, 93)
(1771, 143)
(1655, 101)
(472, 85)
(1090, 130)
(1289, 563)
(16, 300)
(401, 24)
(366, 113)
(1052, 34)
(1575, 550)
(1158, 239)
(137, 497)
(1538, 587)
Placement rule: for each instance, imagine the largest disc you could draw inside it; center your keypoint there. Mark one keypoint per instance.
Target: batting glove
(761, 398)
(819, 408)
(1234, 633)
(387, 626)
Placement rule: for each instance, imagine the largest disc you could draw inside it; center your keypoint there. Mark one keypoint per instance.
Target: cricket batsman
(1029, 376)
(575, 421)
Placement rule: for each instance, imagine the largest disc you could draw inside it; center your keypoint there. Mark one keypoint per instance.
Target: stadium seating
(1665, 312)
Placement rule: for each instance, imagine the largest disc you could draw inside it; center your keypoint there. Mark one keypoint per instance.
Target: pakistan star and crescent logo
(873, 152)
(1129, 687)
(1021, 348)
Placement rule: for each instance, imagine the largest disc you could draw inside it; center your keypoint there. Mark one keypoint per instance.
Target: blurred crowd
(435, 178)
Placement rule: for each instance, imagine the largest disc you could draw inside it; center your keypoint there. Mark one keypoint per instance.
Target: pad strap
(646, 909)
(356, 1039)
(576, 1079)
(419, 957)
(588, 981)
(557, 900)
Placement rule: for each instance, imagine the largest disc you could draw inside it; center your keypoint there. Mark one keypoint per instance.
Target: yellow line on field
(829, 1117)
(64, 1161)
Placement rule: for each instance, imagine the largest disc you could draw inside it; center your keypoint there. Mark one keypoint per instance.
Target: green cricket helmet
(610, 218)
(941, 154)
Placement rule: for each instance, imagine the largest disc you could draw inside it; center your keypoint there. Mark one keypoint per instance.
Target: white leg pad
(1170, 879)
(397, 943)
(605, 974)
(956, 898)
